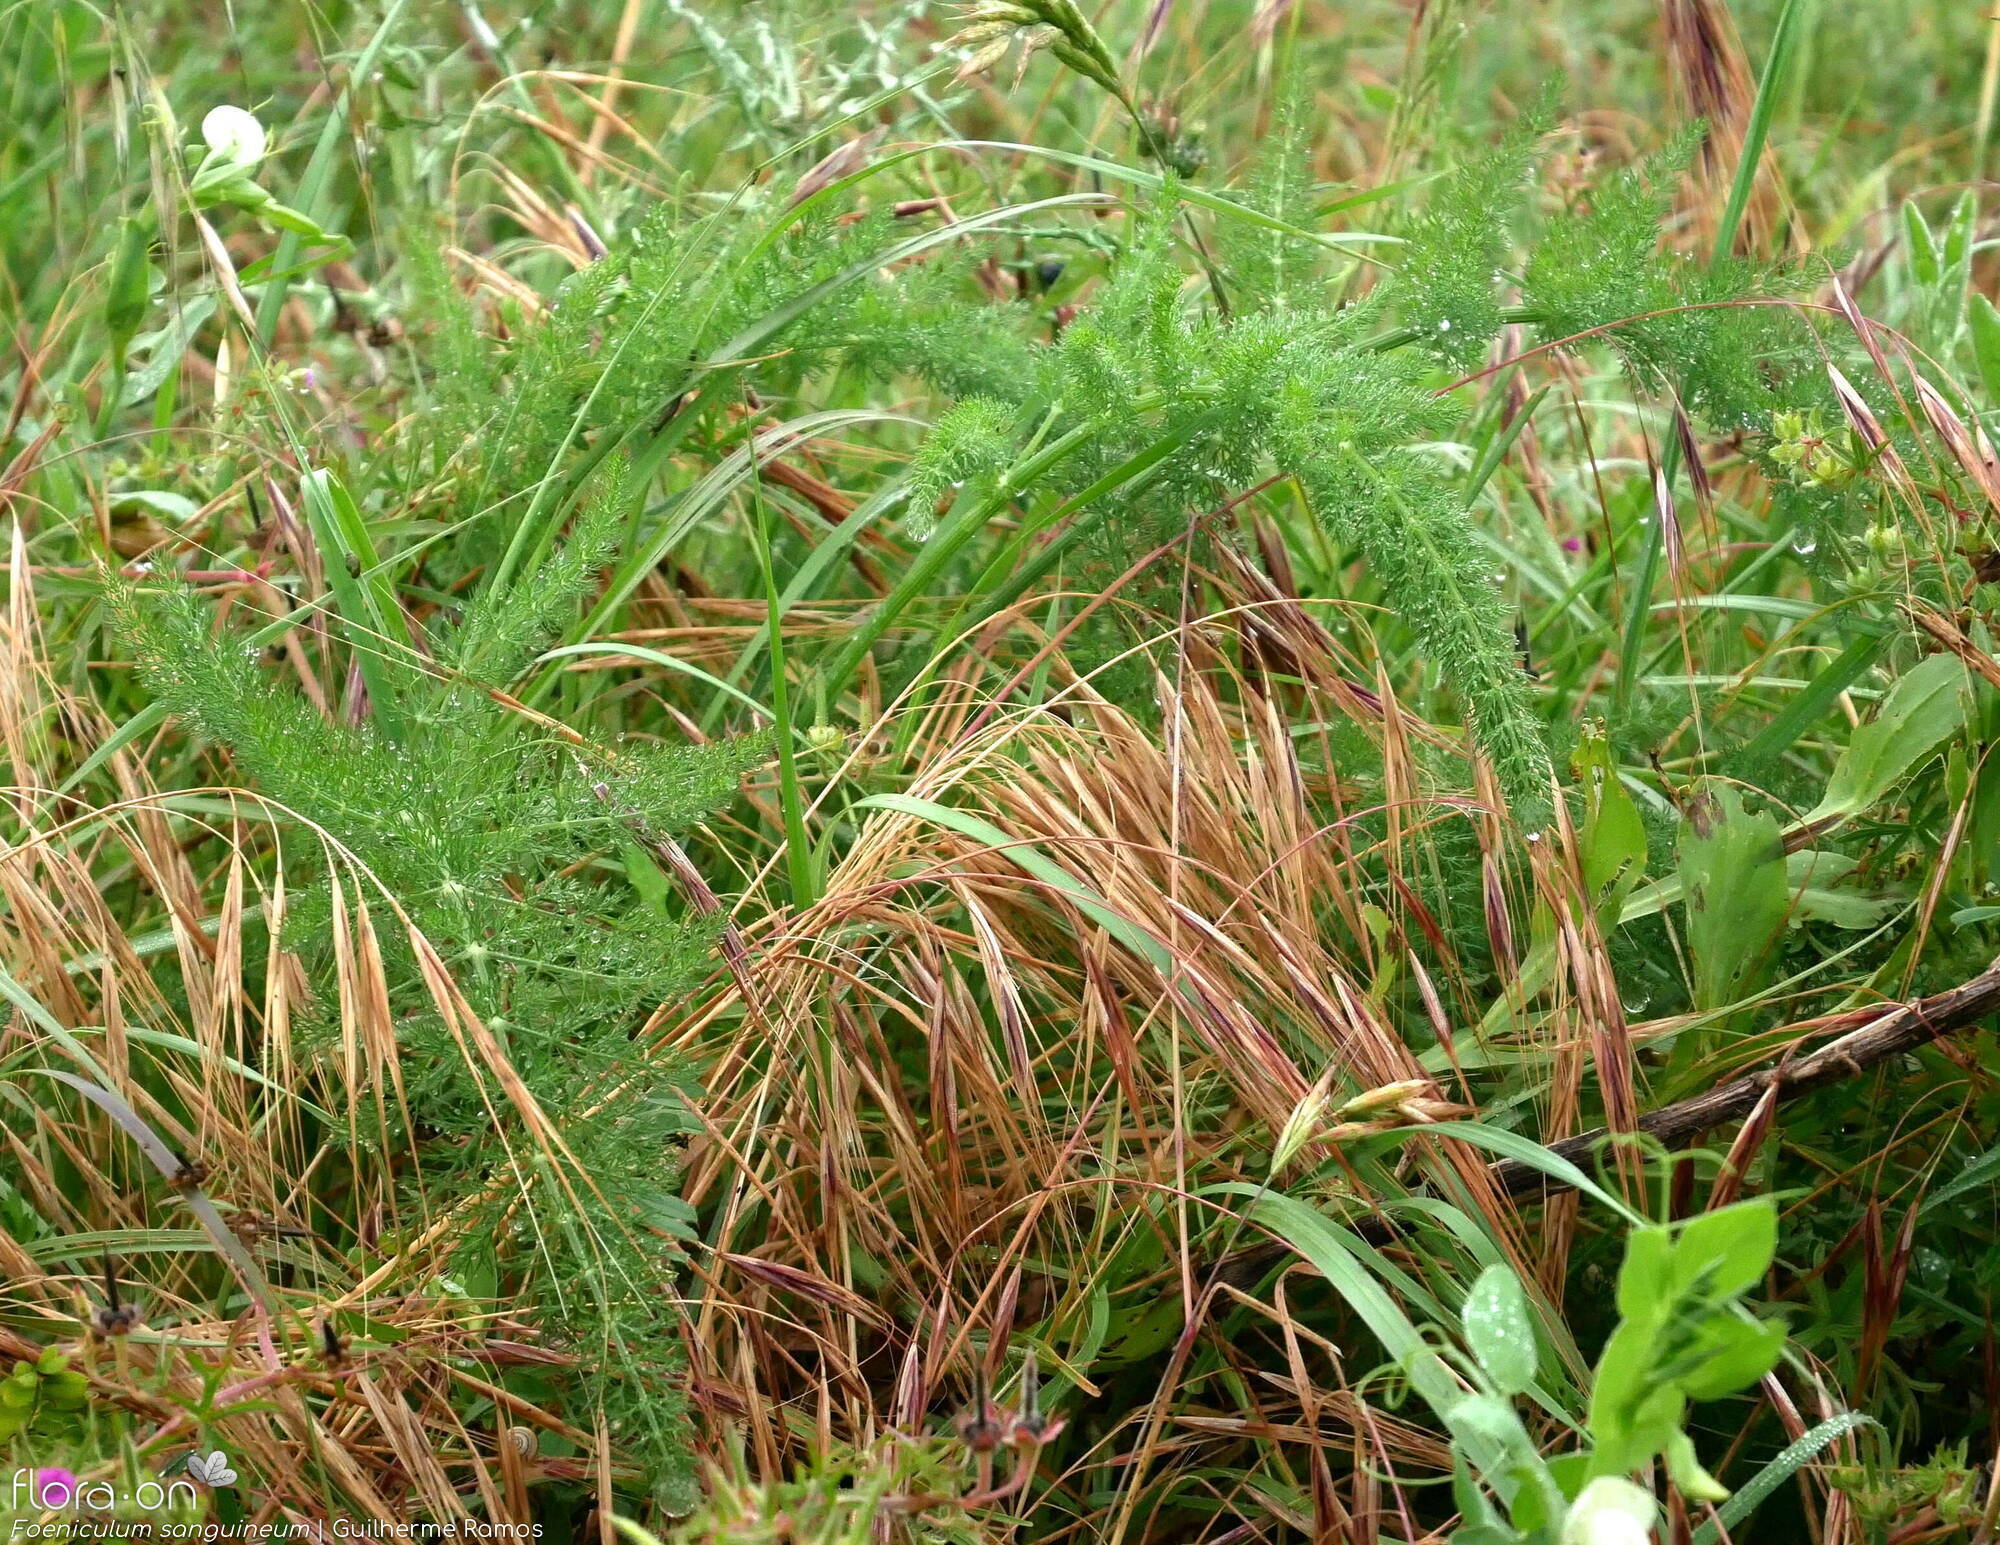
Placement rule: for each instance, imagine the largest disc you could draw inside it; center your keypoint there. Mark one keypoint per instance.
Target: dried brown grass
(1017, 1043)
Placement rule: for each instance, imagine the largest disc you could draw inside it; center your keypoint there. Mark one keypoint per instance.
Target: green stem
(965, 522)
(798, 851)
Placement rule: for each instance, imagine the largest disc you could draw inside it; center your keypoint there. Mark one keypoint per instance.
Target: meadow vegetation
(1175, 771)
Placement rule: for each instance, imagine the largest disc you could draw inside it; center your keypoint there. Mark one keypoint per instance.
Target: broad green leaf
(1570, 1472)
(1734, 1353)
(645, 876)
(1143, 1330)
(1500, 1330)
(1986, 344)
(1923, 708)
(162, 502)
(1727, 1250)
(1473, 1505)
(1843, 909)
(1925, 265)
(1812, 874)
(1613, 841)
(1490, 1421)
(128, 291)
(1734, 887)
(1960, 230)
(1651, 1426)
(164, 348)
(1646, 1281)
(1623, 1371)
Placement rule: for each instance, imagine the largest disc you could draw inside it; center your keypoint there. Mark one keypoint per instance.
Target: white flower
(1610, 1511)
(235, 136)
(213, 1470)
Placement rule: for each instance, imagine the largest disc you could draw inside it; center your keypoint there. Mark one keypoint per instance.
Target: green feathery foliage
(1208, 401)
(627, 346)
(1276, 267)
(513, 852)
(1217, 403)
(1449, 272)
(969, 440)
(1700, 329)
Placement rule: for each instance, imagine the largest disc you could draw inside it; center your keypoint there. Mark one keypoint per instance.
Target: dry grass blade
(972, 1054)
(1711, 77)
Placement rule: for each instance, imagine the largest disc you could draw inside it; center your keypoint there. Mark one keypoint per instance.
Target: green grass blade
(1781, 1469)
(1786, 41)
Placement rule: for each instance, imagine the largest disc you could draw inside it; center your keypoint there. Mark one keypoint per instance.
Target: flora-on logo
(56, 1489)
(212, 1469)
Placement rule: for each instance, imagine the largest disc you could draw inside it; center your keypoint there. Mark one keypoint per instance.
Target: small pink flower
(52, 1480)
(1572, 544)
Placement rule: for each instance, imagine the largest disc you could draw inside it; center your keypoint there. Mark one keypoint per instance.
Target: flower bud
(1610, 1511)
